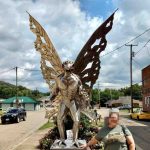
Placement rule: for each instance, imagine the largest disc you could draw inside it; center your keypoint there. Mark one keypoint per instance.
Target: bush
(86, 131)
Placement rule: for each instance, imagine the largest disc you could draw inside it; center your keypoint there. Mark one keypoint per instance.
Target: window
(147, 100)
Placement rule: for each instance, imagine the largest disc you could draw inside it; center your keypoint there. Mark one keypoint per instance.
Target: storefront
(27, 103)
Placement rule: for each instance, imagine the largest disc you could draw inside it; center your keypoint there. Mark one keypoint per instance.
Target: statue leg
(60, 117)
(75, 114)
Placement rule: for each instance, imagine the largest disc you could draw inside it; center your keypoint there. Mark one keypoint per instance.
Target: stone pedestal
(68, 146)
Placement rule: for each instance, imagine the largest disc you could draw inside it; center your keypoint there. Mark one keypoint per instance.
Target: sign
(19, 100)
(69, 134)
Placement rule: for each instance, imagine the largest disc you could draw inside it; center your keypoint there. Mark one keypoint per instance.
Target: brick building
(146, 88)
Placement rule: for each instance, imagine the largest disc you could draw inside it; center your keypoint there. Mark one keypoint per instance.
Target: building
(146, 88)
(44, 100)
(123, 100)
(1, 100)
(26, 102)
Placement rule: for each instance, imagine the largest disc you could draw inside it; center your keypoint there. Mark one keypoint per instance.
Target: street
(11, 135)
(140, 131)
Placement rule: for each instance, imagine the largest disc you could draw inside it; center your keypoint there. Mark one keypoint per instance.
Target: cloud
(66, 24)
(130, 20)
(69, 27)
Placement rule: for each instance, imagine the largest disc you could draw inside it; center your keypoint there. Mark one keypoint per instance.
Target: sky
(69, 24)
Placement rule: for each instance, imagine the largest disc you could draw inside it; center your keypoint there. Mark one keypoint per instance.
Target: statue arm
(80, 88)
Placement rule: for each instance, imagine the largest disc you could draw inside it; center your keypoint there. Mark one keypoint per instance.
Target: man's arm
(130, 142)
(93, 141)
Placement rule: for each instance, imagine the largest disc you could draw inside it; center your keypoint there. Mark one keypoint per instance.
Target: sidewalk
(139, 129)
(32, 142)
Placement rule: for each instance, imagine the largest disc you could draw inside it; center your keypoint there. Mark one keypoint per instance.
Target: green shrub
(86, 132)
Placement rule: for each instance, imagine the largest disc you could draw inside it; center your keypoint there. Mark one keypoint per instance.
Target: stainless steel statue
(70, 87)
(70, 81)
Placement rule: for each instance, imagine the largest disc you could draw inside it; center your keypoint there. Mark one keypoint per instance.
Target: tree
(95, 96)
(105, 95)
(8, 90)
(136, 91)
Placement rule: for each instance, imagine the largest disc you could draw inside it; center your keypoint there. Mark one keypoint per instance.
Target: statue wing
(51, 64)
(87, 64)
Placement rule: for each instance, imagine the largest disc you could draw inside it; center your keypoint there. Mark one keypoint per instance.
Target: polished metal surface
(71, 83)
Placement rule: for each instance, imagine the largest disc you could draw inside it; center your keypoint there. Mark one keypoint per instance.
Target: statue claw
(61, 143)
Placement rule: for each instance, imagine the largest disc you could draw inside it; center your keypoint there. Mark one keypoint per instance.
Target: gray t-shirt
(114, 138)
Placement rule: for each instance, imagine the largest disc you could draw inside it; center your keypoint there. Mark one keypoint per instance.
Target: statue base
(68, 146)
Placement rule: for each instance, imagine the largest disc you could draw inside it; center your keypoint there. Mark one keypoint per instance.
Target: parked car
(1, 112)
(139, 115)
(14, 115)
(128, 106)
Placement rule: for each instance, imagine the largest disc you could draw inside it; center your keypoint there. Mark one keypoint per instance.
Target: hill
(9, 90)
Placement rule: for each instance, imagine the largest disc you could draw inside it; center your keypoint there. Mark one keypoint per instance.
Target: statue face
(68, 65)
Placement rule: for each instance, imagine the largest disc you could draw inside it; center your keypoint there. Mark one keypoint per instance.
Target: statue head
(68, 65)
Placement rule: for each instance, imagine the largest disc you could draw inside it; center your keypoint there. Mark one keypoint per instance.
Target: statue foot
(61, 143)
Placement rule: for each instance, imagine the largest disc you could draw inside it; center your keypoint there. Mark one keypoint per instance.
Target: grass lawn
(47, 125)
(124, 111)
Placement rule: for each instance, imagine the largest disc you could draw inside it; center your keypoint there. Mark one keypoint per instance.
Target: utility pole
(110, 94)
(131, 56)
(17, 101)
(99, 95)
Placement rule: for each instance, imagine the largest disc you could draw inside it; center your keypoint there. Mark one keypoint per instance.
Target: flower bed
(86, 131)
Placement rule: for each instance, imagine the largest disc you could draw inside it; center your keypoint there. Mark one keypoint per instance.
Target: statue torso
(68, 87)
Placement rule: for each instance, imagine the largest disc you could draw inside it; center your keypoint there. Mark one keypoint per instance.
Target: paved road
(12, 135)
(140, 131)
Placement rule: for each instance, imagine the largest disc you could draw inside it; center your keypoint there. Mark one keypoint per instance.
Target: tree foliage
(8, 90)
(102, 96)
(136, 89)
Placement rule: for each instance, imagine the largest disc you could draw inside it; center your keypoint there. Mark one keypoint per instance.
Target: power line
(142, 47)
(18, 68)
(29, 80)
(142, 80)
(137, 63)
(20, 80)
(148, 51)
(126, 43)
(29, 69)
(7, 70)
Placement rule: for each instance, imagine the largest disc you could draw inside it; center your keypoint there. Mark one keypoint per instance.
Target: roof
(22, 99)
(109, 102)
(45, 98)
(146, 67)
(122, 101)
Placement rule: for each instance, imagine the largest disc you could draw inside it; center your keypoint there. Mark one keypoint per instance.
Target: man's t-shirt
(113, 138)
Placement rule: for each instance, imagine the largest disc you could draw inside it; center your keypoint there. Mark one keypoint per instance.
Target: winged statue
(69, 81)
